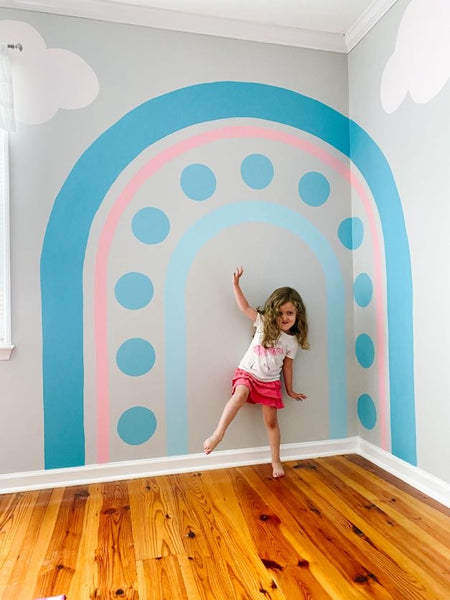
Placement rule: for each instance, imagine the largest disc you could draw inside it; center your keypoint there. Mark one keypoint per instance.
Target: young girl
(281, 327)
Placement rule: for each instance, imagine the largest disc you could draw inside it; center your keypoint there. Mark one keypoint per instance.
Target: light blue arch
(75, 206)
(175, 311)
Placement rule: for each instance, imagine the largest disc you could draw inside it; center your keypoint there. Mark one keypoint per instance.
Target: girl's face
(286, 316)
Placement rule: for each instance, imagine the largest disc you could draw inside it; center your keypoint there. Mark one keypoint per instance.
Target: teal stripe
(367, 156)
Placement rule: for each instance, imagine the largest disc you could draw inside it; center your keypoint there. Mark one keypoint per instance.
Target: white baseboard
(51, 478)
(421, 480)
(221, 459)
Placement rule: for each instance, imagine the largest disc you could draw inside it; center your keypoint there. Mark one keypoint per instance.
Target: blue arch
(75, 206)
(175, 323)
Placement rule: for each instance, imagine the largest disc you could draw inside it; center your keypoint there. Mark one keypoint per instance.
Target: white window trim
(6, 346)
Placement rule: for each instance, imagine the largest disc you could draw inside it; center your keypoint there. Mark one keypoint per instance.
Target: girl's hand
(297, 396)
(237, 274)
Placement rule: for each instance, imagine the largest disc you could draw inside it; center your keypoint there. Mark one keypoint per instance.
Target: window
(5, 305)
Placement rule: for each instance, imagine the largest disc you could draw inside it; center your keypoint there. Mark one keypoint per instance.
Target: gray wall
(133, 65)
(414, 138)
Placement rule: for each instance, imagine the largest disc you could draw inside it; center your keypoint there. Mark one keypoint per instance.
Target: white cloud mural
(420, 63)
(46, 79)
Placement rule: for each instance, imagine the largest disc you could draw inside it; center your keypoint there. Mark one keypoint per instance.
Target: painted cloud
(420, 64)
(46, 79)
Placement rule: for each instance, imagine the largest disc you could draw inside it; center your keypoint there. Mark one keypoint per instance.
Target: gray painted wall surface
(415, 140)
(135, 64)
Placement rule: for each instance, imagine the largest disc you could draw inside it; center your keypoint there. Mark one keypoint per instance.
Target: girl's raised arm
(241, 300)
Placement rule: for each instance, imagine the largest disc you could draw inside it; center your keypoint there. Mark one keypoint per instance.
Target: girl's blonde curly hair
(270, 311)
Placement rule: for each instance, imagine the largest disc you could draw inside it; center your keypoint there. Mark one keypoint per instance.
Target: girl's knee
(240, 394)
(270, 419)
(271, 423)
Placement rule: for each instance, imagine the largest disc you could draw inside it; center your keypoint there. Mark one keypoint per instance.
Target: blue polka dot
(198, 182)
(136, 425)
(314, 188)
(367, 411)
(135, 357)
(365, 350)
(351, 233)
(134, 290)
(363, 289)
(257, 171)
(150, 225)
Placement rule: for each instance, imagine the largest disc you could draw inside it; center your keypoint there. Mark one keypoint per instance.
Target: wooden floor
(334, 528)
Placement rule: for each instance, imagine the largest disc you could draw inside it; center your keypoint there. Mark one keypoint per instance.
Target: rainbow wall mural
(311, 128)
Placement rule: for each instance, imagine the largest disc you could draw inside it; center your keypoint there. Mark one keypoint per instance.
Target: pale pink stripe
(106, 237)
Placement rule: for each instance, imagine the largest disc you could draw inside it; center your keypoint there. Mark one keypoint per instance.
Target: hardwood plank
(210, 580)
(387, 544)
(333, 556)
(231, 524)
(379, 565)
(428, 523)
(15, 517)
(115, 556)
(397, 484)
(85, 581)
(162, 579)
(221, 559)
(22, 580)
(152, 515)
(413, 537)
(289, 569)
(59, 561)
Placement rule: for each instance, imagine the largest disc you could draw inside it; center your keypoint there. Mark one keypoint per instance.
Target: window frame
(6, 346)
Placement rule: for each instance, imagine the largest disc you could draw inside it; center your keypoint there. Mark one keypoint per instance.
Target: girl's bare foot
(278, 470)
(210, 443)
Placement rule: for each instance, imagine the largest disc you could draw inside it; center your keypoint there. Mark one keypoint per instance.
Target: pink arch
(125, 197)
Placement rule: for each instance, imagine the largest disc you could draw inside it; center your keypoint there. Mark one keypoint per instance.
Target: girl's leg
(270, 415)
(237, 400)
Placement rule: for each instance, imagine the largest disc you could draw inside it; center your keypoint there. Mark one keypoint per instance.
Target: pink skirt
(261, 392)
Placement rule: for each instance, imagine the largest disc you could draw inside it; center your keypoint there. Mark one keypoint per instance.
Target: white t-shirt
(266, 363)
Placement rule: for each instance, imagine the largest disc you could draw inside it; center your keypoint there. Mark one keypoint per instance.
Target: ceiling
(333, 25)
(321, 15)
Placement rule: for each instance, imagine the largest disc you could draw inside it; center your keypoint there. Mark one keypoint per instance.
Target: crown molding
(366, 21)
(127, 12)
(130, 13)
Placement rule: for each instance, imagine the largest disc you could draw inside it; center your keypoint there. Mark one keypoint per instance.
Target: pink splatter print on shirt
(273, 351)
